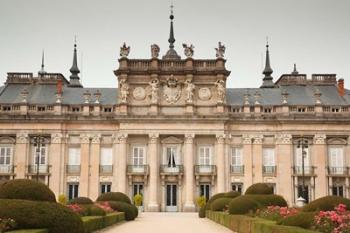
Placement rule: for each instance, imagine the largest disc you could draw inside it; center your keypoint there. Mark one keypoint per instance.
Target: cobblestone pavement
(168, 223)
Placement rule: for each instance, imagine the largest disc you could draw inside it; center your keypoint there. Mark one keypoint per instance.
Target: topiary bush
(259, 188)
(220, 204)
(93, 210)
(33, 214)
(128, 209)
(232, 194)
(242, 205)
(202, 210)
(326, 203)
(301, 219)
(114, 196)
(268, 200)
(81, 201)
(213, 198)
(26, 190)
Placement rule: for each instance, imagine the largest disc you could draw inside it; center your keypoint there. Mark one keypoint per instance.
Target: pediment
(172, 140)
(7, 140)
(336, 141)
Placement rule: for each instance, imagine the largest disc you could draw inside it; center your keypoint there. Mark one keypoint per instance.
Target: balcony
(7, 169)
(106, 169)
(205, 169)
(237, 170)
(269, 170)
(41, 169)
(73, 169)
(137, 169)
(171, 170)
(308, 170)
(338, 171)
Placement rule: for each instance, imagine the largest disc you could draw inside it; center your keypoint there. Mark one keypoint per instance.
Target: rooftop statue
(124, 91)
(188, 50)
(154, 90)
(155, 50)
(220, 88)
(189, 91)
(220, 51)
(124, 50)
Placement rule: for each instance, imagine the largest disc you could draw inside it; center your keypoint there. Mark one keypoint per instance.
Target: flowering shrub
(77, 209)
(7, 224)
(335, 221)
(276, 213)
(105, 206)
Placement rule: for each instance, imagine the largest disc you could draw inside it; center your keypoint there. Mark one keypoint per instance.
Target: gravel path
(168, 223)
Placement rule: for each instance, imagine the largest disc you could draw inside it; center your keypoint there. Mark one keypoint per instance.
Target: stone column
(319, 154)
(284, 158)
(20, 156)
(220, 162)
(84, 165)
(247, 161)
(95, 167)
(153, 204)
(121, 157)
(189, 176)
(257, 158)
(55, 158)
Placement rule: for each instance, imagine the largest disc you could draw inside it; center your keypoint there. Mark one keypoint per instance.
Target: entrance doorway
(171, 198)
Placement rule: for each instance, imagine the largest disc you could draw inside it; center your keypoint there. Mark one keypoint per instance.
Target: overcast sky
(315, 34)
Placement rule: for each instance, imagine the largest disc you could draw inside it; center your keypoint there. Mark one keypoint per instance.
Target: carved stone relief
(139, 93)
(204, 93)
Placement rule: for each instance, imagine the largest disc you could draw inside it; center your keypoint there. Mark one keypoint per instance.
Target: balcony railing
(73, 169)
(338, 171)
(137, 169)
(239, 170)
(7, 169)
(106, 169)
(176, 169)
(308, 170)
(42, 169)
(205, 169)
(269, 170)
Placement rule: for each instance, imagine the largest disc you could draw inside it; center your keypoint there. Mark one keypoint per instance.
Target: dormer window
(75, 109)
(6, 108)
(107, 109)
(267, 110)
(301, 109)
(41, 108)
(335, 110)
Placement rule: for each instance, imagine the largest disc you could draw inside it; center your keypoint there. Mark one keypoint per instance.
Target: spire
(42, 70)
(171, 54)
(295, 71)
(267, 80)
(74, 78)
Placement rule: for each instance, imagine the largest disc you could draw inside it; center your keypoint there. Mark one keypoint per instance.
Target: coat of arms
(172, 91)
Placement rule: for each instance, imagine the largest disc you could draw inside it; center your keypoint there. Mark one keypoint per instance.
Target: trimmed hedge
(245, 224)
(232, 194)
(27, 190)
(93, 210)
(220, 204)
(93, 223)
(326, 203)
(32, 214)
(81, 201)
(213, 198)
(128, 209)
(259, 188)
(302, 219)
(29, 231)
(114, 196)
(250, 203)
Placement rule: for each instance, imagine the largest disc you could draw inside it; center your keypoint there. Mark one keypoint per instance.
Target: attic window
(233, 109)
(41, 108)
(267, 110)
(6, 108)
(75, 109)
(107, 109)
(335, 110)
(301, 109)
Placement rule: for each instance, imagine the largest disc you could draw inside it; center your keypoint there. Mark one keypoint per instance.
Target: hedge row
(245, 224)
(29, 231)
(93, 223)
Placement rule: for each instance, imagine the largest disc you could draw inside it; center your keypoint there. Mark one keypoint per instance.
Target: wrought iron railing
(342, 171)
(106, 169)
(269, 170)
(308, 170)
(7, 169)
(205, 169)
(42, 169)
(135, 169)
(171, 169)
(73, 169)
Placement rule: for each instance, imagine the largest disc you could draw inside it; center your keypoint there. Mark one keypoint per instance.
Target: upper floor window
(74, 156)
(336, 159)
(5, 155)
(236, 157)
(40, 150)
(106, 157)
(172, 156)
(299, 152)
(269, 157)
(139, 155)
(205, 155)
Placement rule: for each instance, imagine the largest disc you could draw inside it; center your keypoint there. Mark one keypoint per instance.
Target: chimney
(59, 86)
(341, 89)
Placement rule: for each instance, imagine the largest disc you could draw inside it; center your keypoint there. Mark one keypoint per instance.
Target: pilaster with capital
(95, 165)
(56, 157)
(189, 176)
(121, 156)
(258, 158)
(153, 204)
(84, 165)
(220, 160)
(21, 153)
(319, 151)
(247, 159)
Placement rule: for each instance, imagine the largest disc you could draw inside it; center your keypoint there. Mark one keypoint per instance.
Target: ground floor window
(338, 190)
(204, 190)
(305, 195)
(105, 187)
(73, 190)
(137, 188)
(238, 187)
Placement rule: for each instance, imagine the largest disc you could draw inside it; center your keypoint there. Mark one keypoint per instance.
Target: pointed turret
(74, 80)
(267, 80)
(42, 70)
(295, 71)
(171, 54)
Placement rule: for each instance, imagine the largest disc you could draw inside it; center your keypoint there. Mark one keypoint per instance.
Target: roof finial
(74, 78)
(171, 54)
(42, 70)
(267, 80)
(295, 71)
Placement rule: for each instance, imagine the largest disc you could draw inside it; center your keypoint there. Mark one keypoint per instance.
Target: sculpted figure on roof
(189, 91)
(124, 50)
(155, 50)
(154, 90)
(220, 51)
(124, 90)
(188, 50)
(220, 89)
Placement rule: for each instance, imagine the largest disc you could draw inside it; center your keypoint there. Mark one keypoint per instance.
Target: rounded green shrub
(259, 188)
(326, 203)
(220, 204)
(232, 194)
(213, 198)
(268, 200)
(93, 210)
(33, 214)
(202, 210)
(136, 210)
(301, 219)
(242, 205)
(26, 190)
(114, 196)
(81, 201)
(128, 209)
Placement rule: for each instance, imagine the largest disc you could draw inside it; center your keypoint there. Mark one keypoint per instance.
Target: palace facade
(172, 131)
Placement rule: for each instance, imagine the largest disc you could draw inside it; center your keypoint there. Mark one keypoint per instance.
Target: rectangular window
(139, 155)
(338, 190)
(106, 187)
(73, 190)
(106, 156)
(269, 157)
(205, 155)
(5, 155)
(74, 156)
(204, 190)
(238, 187)
(137, 188)
(171, 156)
(336, 160)
(298, 156)
(236, 157)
